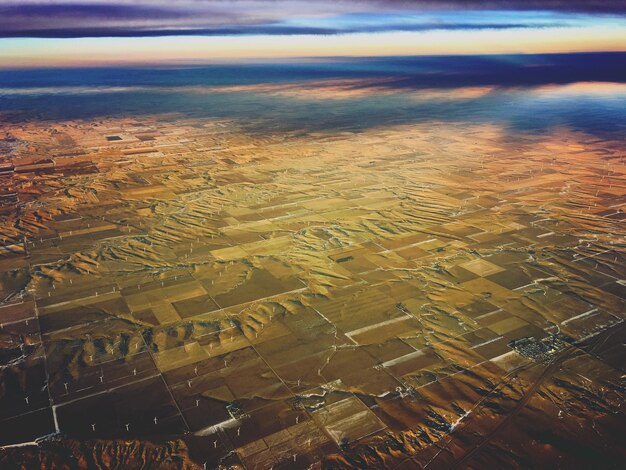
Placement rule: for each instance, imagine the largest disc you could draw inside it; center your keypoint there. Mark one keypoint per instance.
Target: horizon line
(290, 59)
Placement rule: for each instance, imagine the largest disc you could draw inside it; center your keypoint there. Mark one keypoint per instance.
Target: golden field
(400, 297)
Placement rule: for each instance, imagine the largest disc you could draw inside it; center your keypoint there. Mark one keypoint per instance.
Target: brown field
(431, 294)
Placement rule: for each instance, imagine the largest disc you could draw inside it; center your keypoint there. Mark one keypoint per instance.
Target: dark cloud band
(272, 30)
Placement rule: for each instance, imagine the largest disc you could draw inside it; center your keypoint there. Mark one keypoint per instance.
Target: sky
(50, 33)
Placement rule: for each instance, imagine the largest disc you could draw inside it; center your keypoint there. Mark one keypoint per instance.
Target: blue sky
(80, 31)
(124, 18)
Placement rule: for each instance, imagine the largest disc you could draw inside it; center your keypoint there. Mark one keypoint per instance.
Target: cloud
(72, 19)
(430, 88)
(588, 6)
(585, 6)
(269, 29)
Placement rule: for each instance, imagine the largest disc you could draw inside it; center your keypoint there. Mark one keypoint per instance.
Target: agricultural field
(419, 293)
